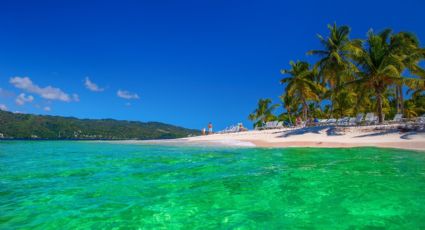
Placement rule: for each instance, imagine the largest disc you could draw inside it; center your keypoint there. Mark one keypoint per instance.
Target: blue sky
(179, 62)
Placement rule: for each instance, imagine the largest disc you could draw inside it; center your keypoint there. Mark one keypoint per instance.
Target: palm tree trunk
(401, 100)
(289, 115)
(334, 94)
(379, 104)
(305, 110)
(397, 99)
(331, 109)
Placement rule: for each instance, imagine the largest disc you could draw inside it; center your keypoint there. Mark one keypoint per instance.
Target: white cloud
(92, 86)
(47, 109)
(47, 92)
(127, 95)
(3, 107)
(75, 97)
(22, 99)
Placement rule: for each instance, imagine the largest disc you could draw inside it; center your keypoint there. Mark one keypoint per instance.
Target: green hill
(13, 125)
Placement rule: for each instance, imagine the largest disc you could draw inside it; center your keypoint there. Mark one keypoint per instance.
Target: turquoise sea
(103, 185)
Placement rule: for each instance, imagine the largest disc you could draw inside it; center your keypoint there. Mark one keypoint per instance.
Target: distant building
(1, 135)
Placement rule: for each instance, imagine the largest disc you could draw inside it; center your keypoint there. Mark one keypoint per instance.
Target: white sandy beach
(376, 136)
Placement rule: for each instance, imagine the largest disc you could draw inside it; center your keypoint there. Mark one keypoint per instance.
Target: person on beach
(210, 128)
(310, 121)
(242, 128)
(298, 121)
(203, 131)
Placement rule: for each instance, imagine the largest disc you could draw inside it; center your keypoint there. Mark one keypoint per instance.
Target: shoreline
(396, 145)
(318, 137)
(309, 137)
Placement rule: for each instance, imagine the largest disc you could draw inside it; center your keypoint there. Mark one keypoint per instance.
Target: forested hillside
(13, 125)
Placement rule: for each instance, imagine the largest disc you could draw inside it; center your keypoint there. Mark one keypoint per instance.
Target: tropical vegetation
(352, 76)
(264, 112)
(28, 126)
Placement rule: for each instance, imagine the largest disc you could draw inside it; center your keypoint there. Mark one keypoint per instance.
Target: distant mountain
(14, 125)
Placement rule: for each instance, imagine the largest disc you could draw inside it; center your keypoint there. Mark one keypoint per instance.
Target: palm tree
(315, 110)
(356, 76)
(380, 66)
(289, 104)
(411, 109)
(334, 66)
(406, 45)
(263, 113)
(363, 100)
(346, 102)
(301, 84)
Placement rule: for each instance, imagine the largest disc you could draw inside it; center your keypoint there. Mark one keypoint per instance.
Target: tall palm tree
(301, 84)
(380, 66)
(406, 45)
(334, 66)
(263, 113)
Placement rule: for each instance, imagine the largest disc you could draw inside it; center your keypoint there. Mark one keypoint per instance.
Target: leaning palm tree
(380, 67)
(263, 113)
(335, 67)
(301, 84)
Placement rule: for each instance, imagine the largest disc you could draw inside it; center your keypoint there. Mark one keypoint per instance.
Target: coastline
(323, 137)
(397, 145)
(387, 136)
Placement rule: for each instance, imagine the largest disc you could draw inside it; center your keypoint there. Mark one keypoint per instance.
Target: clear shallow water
(83, 185)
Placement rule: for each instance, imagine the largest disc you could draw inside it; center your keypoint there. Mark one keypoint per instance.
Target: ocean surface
(103, 185)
